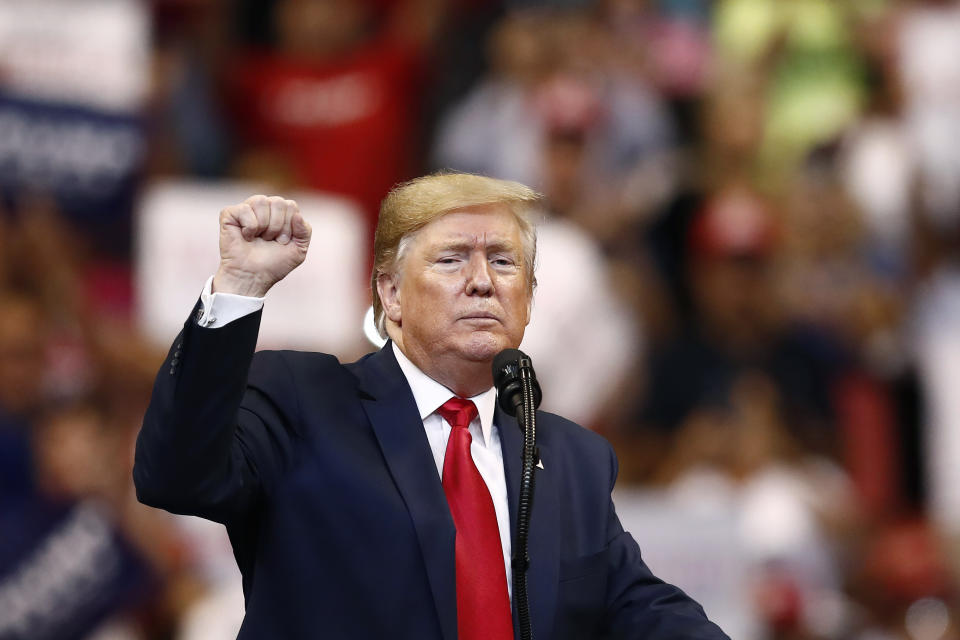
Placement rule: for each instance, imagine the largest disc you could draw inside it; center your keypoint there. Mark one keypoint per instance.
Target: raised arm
(210, 441)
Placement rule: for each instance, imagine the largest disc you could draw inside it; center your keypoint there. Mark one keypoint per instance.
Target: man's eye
(502, 262)
(448, 260)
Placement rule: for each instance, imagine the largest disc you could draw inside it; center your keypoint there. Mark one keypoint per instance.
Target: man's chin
(483, 347)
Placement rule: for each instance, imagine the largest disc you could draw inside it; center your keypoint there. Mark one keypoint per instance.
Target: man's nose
(479, 282)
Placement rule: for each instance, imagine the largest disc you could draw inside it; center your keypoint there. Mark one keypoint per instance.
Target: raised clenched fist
(262, 239)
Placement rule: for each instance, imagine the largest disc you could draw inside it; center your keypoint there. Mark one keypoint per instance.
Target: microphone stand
(526, 417)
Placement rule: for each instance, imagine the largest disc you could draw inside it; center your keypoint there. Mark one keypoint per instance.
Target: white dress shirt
(219, 309)
(484, 448)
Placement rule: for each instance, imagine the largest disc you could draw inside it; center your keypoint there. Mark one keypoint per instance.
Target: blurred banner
(319, 306)
(74, 77)
(63, 570)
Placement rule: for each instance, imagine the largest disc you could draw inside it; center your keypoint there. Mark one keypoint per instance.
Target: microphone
(507, 367)
(518, 394)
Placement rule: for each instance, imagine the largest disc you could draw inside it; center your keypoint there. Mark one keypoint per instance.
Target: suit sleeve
(216, 435)
(641, 605)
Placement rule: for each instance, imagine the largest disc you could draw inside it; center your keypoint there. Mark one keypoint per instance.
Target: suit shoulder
(562, 429)
(297, 364)
(298, 358)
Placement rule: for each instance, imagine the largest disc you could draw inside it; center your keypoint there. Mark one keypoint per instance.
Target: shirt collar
(430, 394)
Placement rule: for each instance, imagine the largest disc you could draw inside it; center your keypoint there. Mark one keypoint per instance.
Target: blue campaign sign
(64, 569)
(88, 159)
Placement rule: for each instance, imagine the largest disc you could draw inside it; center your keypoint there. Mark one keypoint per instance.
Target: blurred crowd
(765, 192)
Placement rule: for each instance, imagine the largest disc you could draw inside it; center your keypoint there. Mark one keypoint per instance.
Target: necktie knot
(458, 412)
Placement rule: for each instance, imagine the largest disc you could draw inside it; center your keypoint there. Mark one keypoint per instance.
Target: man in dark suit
(374, 499)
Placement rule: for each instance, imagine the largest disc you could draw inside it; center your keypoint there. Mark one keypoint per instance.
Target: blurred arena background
(749, 275)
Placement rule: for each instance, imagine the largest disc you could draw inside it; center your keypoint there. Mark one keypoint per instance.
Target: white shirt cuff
(219, 309)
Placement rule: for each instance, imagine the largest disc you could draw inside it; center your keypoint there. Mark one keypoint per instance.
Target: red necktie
(483, 605)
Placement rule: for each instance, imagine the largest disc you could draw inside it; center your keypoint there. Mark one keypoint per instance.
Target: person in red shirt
(337, 99)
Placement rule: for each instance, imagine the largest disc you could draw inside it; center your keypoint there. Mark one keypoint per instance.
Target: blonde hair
(412, 205)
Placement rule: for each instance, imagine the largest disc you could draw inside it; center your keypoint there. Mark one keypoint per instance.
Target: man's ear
(388, 287)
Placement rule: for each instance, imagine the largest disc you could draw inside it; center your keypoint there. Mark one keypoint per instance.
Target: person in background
(341, 86)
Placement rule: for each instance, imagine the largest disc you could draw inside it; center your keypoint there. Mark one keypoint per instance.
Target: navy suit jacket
(324, 478)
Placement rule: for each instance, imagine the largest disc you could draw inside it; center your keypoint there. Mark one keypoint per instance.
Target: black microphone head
(506, 366)
(507, 379)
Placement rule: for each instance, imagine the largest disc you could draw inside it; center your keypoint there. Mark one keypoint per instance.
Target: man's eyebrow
(503, 245)
(464, 245)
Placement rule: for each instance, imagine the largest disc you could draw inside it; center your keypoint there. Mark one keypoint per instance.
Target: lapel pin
(540, 464)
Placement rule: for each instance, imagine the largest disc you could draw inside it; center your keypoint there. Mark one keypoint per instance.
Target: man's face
(463, 293)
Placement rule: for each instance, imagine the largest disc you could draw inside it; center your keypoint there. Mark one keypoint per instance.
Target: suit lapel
(543, 541)
(396, 422)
